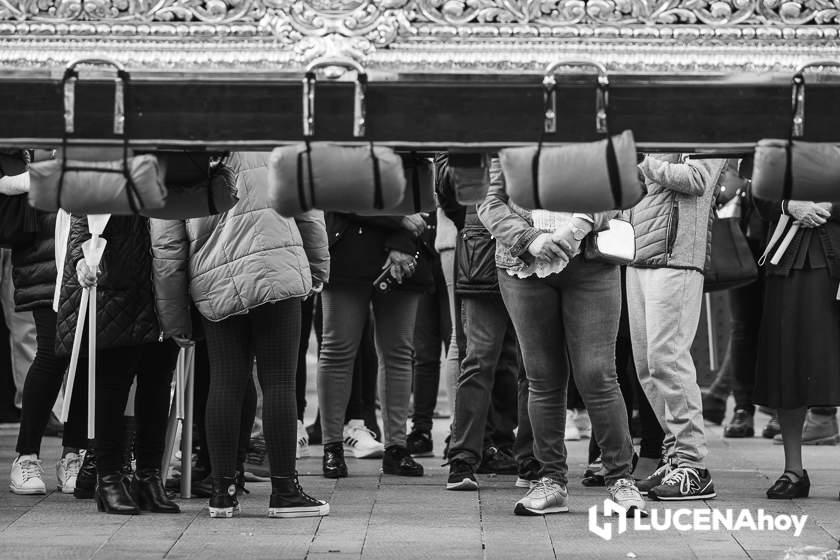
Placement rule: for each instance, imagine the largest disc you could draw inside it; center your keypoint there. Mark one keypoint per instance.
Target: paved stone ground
(376, 516)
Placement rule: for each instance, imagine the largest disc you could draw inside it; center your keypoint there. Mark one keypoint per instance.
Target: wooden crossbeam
(712, 112)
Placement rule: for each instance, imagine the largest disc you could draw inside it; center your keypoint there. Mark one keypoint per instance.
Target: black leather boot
(148, 491)
(128, 448)
(333, 464)
(112, 495)
(86, 481)
(223, 502)
(289, 500)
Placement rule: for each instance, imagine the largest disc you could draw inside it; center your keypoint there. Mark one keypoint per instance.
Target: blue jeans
(567, 323)
(490, 362)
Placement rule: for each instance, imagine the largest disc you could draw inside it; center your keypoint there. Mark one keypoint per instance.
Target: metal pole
(186, 426)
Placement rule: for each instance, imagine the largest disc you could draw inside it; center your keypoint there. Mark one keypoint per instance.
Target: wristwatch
(577, 232)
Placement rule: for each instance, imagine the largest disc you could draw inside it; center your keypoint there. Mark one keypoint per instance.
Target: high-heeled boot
(223, 502)
(86, 480)
(112, 495)
(148, 491)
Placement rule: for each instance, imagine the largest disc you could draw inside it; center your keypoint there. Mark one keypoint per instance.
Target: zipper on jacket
(671, 230)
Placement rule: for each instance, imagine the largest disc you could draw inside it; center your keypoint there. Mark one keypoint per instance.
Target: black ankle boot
(112, 495)
(289, 500)
(147, 490)
(333, 464)
(86, 480)
(223, 502)
(397, 460)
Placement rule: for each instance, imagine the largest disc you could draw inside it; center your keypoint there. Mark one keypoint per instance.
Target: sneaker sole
(224, 513)
(708, 496)
(289, 513)
(736, 435)
(522, 510)
(27, 491)
(66, 489)
(372, 454)
(831, 440)
(424, 454)
(465, 485)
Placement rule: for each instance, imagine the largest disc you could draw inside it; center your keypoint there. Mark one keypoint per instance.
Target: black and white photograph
(420, 279)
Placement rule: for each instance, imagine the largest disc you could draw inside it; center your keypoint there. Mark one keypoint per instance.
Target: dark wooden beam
(422, 111)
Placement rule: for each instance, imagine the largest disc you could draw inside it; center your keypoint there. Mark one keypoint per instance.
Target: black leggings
(153, 364)
(43, 382)
(202, 388)
(271, 332)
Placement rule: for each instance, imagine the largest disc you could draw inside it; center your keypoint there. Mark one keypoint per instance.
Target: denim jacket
(512, 225)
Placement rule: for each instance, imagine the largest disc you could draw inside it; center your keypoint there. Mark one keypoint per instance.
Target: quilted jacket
(34, 267)
(512, 225)
(238, 260)
(125, 299)
(673, 221)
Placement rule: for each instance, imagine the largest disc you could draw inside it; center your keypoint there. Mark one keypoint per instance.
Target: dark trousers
(490, 360)
(432, 332)
(43, 383)
(737, 373)
(8, 411)
(202, 389)
(271, 332)
(116, 368)
(307, 312)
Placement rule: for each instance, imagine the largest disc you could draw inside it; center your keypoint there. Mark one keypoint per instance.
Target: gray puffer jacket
(673, 221)
(240, 259)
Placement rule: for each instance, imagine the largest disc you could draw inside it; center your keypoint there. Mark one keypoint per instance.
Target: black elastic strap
(614, 175)
(535, 176)
(415, 179)
(378, 201)
(787, 189)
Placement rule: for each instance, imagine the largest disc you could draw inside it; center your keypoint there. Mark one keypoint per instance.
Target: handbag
(582, 177)
(475, 254)
(126, 187)
(791, 169)
(616, 245)
(731, 263)
(334, 178)
(419, 195)
(99, 180)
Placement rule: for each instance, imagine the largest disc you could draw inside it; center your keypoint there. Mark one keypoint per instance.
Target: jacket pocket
(673, 226)
(476, 260)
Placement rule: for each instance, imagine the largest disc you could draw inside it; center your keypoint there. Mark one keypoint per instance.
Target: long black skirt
(799, 344)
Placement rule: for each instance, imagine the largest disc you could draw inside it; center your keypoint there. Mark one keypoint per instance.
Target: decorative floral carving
(471, 31)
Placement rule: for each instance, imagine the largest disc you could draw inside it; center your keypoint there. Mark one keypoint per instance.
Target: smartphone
(385, 282)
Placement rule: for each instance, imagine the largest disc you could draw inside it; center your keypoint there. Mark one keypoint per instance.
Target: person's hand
(415, 223)
(317, 288)
(544, 248)
(87, 277)
(182, 341)
(402, 265)
(809, 214)
(565, 238)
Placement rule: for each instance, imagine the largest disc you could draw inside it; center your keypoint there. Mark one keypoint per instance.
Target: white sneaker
(27, 476)
(546, 496)
(625, 494)
(583, 424)
(302, 441)
(67, 470)
(361, 441)
(572, 432)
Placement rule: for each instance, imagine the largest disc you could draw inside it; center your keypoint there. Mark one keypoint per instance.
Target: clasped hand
(809, 214)
(552, 246)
